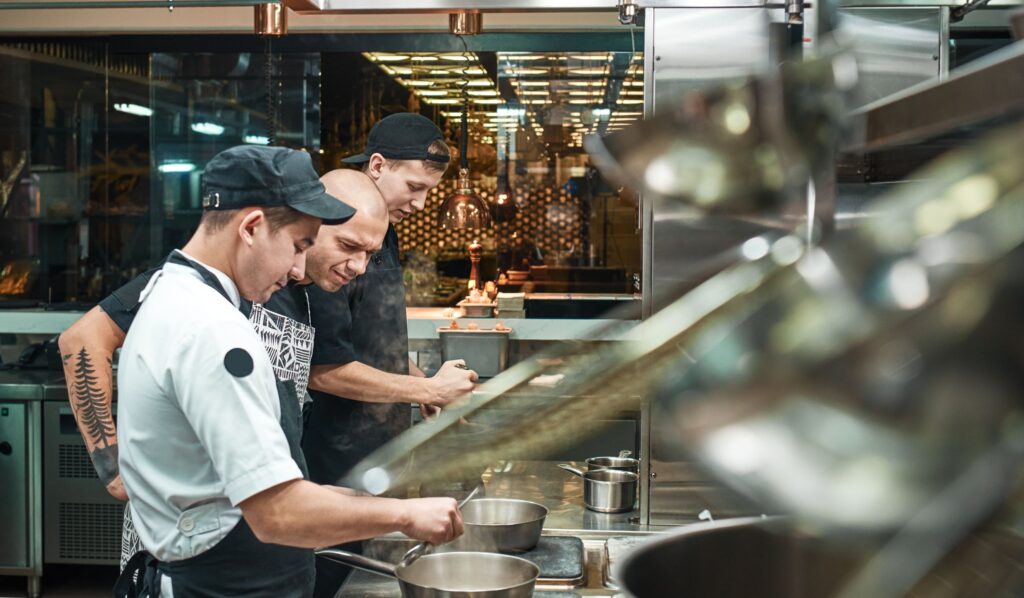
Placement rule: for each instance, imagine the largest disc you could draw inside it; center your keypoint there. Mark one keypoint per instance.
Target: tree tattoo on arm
(94, 417)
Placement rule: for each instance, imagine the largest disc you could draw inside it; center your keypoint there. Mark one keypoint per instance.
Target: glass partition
(557, 226)
(204, 103)
(101, 154)
(103, 143)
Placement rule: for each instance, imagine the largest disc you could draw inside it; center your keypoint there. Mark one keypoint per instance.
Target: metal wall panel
(697, 48)
(896, 48)
(693, 48)
(688, 49)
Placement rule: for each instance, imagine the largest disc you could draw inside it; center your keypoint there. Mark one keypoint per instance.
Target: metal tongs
(424, 548)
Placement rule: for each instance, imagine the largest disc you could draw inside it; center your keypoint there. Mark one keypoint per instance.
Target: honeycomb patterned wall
(550, 218)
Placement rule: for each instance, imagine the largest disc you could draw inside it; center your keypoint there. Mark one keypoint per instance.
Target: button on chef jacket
(198, 415)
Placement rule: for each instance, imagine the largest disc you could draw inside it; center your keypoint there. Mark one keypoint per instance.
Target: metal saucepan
(607, 490)
(451, 574)
(501, 525)
(621, 463)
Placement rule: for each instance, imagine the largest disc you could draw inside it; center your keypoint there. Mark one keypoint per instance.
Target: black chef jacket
(364, 321)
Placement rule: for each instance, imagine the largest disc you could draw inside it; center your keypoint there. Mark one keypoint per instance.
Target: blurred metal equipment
(990, 87)
(743, 148)
(270, 20)
(835, 392)
(466, 23)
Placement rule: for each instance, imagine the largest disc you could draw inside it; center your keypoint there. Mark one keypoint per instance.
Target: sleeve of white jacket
(232, 406)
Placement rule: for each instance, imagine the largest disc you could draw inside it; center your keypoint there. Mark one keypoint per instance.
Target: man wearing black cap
(362, 340)
(209, 438)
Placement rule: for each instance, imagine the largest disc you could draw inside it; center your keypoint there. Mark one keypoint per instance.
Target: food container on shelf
(484, 351)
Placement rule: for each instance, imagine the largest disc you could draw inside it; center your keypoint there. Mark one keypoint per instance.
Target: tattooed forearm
(105, 462)
(92, 404)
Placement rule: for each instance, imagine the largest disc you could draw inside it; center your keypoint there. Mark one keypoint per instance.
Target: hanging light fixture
(466, 23)
(270, 20)
(504, 206)
(464, 208)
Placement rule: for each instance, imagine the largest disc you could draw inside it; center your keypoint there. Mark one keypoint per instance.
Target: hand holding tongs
(424, 547)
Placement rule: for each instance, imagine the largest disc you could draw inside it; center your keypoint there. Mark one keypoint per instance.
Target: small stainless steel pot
(621, 463)
(615, 463)
(501, 525)
(607, 490)
(451, 574)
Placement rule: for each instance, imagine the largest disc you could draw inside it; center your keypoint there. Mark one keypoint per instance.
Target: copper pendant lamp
(464, 208)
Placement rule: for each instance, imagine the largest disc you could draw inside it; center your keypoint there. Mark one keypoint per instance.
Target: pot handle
(572, 470)
(625, 454)
(358, 561)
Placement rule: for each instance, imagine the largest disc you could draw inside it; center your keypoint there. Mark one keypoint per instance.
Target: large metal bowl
(735, 558)
(504, 525)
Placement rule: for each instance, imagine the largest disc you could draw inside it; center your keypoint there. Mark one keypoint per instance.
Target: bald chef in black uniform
(362, 379)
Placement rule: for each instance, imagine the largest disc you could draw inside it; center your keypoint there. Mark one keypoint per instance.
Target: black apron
(238, 565)
(341, 433)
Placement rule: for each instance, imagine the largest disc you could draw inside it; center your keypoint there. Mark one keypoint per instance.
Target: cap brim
(326, 207)
(356, 159)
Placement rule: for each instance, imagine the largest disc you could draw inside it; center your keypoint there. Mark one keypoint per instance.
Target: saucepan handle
(358, 561)
(572, 470)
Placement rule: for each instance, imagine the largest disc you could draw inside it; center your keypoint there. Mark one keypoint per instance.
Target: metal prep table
(21, 474)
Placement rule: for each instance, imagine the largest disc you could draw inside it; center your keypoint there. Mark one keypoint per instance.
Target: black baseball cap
(402, 136)
(254, 175)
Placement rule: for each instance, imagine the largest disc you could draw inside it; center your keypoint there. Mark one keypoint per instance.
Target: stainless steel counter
(423, 325)
(562, 493)
(28, 385)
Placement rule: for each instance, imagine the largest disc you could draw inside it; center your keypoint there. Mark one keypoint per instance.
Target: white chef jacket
(195, 439)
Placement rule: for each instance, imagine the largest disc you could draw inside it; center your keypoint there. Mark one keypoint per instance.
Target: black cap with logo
(253, 175)
(402, 136)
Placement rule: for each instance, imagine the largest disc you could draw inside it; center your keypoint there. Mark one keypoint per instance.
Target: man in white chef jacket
(209, 449)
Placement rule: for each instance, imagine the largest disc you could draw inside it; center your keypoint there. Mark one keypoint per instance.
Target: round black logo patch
(238, 362)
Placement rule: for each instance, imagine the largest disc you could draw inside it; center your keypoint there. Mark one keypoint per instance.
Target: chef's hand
(429, 411)
(116, 489)
(435, 520)
(450, 382)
